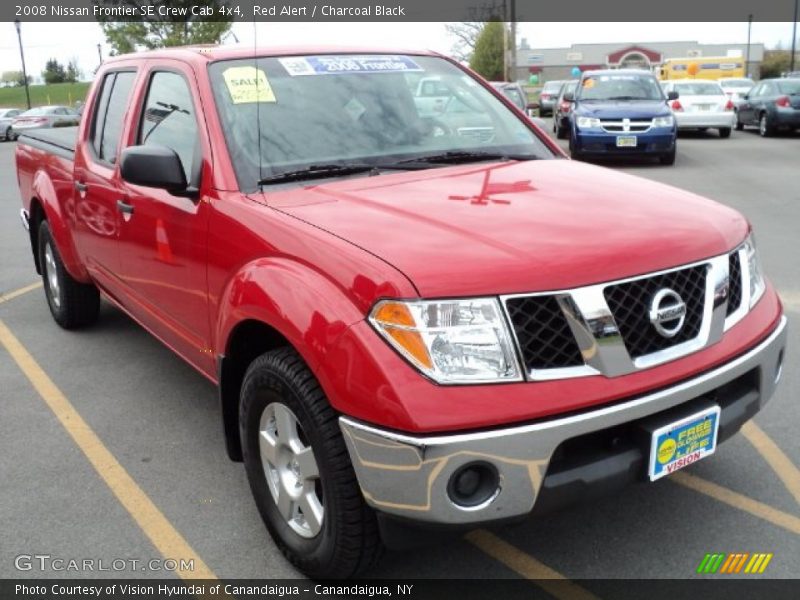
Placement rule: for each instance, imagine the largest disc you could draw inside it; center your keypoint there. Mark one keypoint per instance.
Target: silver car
(44, 117)
(548, 97)
(736, 88)
(6, 116)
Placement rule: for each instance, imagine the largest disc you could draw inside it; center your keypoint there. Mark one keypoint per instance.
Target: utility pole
(747, 55)
(22, 56)
(794, 34)
(100, 53)
(514, 40)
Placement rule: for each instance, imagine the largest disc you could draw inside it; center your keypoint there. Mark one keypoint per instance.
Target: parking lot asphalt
(160, 422)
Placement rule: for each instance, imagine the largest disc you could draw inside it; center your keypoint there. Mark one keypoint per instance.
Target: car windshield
(281, 115)
(737, 83)
(790, 87)
(34, 112)
(552, 86)
(623, 86)
(698, 88)
(569, 87)
(514, 95)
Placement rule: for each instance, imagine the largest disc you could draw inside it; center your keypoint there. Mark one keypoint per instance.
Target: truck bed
(58, 140)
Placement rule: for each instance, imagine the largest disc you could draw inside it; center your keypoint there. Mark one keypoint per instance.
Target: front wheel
(7, 134)
(668, 159)
(725, 132)
(73, 304)
(300, 473)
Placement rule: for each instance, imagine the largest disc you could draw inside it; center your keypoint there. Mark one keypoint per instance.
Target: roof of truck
(212, 52)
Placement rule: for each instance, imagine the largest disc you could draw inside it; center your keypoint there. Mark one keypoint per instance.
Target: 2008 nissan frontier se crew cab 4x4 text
(414, 322)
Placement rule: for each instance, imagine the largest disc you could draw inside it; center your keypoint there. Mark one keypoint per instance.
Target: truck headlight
(587, 123)
(667, 121)
(757, 282)
(450, 341)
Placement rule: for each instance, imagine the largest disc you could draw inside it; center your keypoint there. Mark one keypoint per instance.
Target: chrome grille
(543, 334)
(630, 305)
(735, 285)
(627, 125)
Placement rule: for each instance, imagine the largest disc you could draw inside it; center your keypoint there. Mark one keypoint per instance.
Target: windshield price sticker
(335, 65)
(247, 85)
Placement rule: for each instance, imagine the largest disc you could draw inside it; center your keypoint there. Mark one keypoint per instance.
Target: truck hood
(516, 226)
(622, 109)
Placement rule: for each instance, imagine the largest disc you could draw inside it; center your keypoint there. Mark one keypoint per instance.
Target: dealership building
(558, 63)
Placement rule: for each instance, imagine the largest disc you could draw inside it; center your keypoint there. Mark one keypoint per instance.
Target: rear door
(96, 180)
(163, 237)
(745, 110)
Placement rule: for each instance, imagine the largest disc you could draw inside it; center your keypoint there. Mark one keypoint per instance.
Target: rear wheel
(7, 134)
(739, 124)
(725, 132)
(299, 470)
(765, 128)
(73, 304)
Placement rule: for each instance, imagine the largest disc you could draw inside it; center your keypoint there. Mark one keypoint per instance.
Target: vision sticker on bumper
(679, 444)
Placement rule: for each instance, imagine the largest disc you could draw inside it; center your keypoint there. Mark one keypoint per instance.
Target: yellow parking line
(791, 300)
(775, 457)
(737, 500)
(154, 524)
(551, 581)
(20, 292)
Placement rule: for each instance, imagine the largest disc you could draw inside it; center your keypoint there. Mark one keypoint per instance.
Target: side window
(169, 118)
(111, 106)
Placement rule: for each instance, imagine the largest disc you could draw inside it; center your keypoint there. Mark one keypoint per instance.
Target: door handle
(81, 187)
(124, 207)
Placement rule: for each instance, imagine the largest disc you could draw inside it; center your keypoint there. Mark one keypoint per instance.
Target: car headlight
(450, 341)
(667, 121)
(756, 273)
(587, 123)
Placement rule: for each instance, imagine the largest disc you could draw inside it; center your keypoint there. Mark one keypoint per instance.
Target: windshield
(34, 112)
(621, 86)
(789, 87)
(698, 88)
(569, 88)
(737, 83)
(514, 95)
(552, 86)
(283, 114)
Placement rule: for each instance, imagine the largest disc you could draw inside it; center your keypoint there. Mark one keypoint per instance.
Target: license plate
(703, 107)
(679, 444)
(626, 141)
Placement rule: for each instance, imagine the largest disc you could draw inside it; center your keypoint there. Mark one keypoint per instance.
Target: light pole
(794, 33)
(17, 24)
(747, 55)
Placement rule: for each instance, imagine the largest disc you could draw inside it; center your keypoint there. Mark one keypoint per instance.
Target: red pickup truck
(415, 321)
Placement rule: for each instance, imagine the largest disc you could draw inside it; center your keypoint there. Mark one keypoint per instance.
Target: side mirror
(153, 166)
(673, 95)
(569, 96)
(532, 105)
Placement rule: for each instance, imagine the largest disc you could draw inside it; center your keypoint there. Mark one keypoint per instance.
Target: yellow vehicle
(702, 67)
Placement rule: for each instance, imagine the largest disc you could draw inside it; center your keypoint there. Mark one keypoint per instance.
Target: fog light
(474, 485)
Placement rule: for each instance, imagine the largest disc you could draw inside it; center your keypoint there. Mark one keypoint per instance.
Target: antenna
(258, 104)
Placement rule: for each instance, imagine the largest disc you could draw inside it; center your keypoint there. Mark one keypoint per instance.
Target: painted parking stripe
(11, 295)
(791, 300)
(784, 468)
(551, 581)
(150, 519)
(737, 500)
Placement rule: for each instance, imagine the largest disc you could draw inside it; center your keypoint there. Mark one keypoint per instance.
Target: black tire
(765, 128)
(73, 304)
(7, 134)
(668, 158)
(561, 132)
(725, 132)
(739, 124)
(348, 542)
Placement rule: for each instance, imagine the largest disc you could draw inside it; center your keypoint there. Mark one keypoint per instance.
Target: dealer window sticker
(336, 65)
(248, 85)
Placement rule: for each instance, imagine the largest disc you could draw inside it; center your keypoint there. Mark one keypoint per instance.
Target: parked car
(701, 105)
(515, 92)
(44, 117)
(563, 110)
(736, 88)
(7, 115)
(375, 302)
(772, 105)
(548, 97)
(621, 112)
(792, 75)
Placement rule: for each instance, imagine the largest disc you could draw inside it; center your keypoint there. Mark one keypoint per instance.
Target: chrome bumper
(408, 476)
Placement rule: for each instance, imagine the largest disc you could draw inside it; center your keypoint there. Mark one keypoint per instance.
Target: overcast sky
(64, 41)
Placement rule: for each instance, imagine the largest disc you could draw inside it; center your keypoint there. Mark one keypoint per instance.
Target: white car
(6, 116)
(701, 104)
(736, 88)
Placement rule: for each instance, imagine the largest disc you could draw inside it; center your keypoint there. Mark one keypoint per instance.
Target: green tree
(13, 78)
(775, 62)
(487, 59)
(54, 72)
(147, 33)
(73, 72)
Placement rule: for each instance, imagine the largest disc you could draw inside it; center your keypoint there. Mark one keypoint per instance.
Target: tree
(183, 29)
(54, 72)
(775, 62)
(13, 78)
(73, 73)
(487, 59)
(466, 34)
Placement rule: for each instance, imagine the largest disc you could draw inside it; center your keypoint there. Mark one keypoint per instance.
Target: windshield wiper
(318, 172)
(455, 157)
(626, 98)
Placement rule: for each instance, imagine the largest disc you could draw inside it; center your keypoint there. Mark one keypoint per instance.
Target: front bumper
(604, 143)
(548, 463)
(705, 119)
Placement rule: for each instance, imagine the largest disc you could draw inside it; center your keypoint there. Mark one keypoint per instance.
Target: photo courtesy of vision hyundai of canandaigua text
(419, 314)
